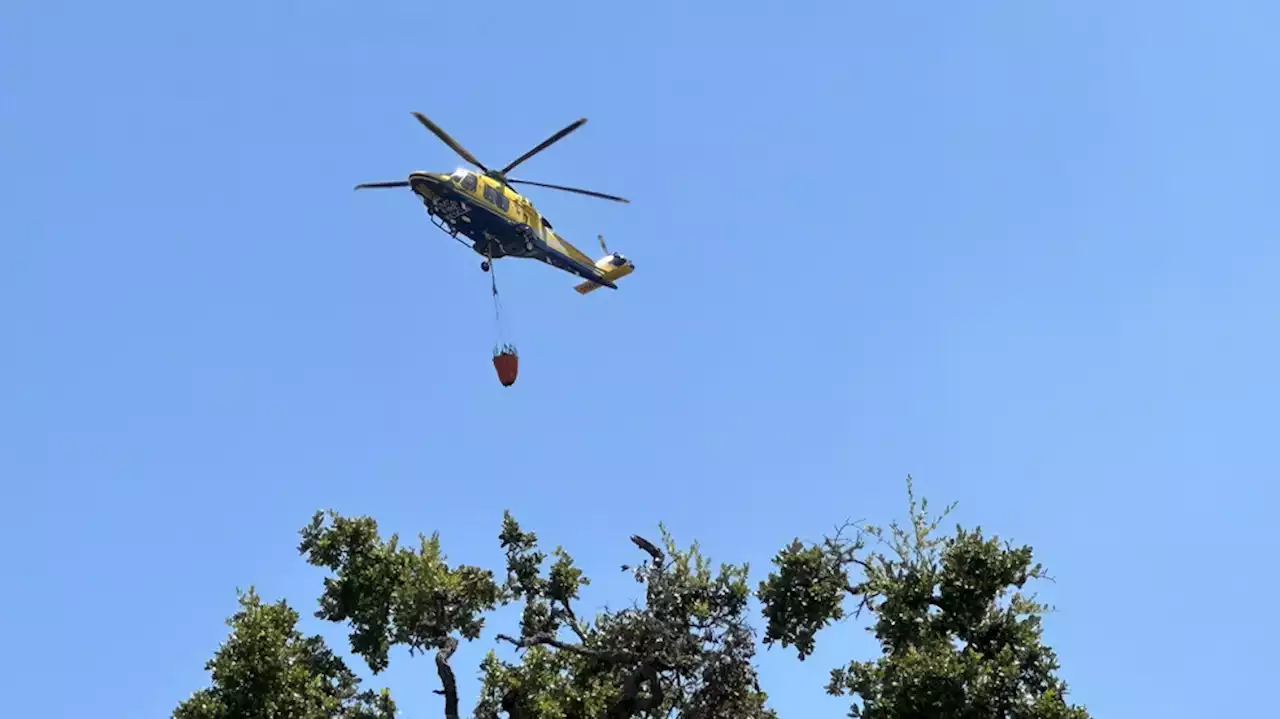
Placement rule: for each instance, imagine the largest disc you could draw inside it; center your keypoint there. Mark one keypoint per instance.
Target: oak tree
(959, 637)
(686, 651)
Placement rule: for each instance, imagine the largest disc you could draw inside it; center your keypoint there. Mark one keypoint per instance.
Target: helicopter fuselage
(499, 222)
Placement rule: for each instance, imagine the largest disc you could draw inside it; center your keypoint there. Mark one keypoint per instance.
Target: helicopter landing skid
(442, 222)
(443, 226)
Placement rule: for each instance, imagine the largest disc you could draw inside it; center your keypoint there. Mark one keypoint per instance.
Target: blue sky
(1023, 251)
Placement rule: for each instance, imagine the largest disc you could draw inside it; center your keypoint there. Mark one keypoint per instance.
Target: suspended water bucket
(507, 362)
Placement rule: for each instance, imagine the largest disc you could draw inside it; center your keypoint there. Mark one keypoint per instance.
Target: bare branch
(650, 548)
(447, 678)
(551, 641)
(565, 612)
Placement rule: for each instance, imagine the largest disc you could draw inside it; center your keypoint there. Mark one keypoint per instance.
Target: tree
(687, 652)
(959, 638)
(268, 670)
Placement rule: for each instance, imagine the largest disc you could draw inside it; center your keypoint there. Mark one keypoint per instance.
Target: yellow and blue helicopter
(499, 222)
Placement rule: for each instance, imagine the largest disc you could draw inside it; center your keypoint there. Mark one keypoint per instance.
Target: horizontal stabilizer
(612, 267)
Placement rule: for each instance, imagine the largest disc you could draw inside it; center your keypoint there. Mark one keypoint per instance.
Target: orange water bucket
(507, 363)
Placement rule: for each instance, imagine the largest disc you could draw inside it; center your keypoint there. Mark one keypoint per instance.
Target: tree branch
(650, 548)
(447, 678)
(551, 641)
(866, 566)
(572, 620)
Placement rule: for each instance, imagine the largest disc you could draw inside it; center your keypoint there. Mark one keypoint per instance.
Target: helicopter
(483, 211)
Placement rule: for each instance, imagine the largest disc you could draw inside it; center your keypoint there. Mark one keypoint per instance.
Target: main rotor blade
(444, 136)
(546, 143)
(365, 185)
(593, 193)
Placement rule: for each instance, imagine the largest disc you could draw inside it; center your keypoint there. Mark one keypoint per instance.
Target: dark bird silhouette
(650, 548)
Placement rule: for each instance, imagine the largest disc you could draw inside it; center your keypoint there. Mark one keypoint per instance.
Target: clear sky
(1026, 252)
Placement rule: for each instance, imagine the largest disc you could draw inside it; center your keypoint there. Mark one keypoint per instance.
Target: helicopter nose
(423, 178)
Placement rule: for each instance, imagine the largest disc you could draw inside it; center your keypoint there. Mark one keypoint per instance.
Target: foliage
(687, 652)
(268, 670)
(959, 639)
(391, 594)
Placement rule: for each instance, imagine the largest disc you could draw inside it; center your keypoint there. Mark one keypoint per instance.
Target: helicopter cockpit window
(468, 182)
(497, 197)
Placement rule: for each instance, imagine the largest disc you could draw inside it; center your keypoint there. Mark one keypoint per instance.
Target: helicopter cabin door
(528, 215)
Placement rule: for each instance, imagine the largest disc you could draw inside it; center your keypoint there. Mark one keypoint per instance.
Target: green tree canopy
(686, 651)
(268, 670)
(959, 638)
